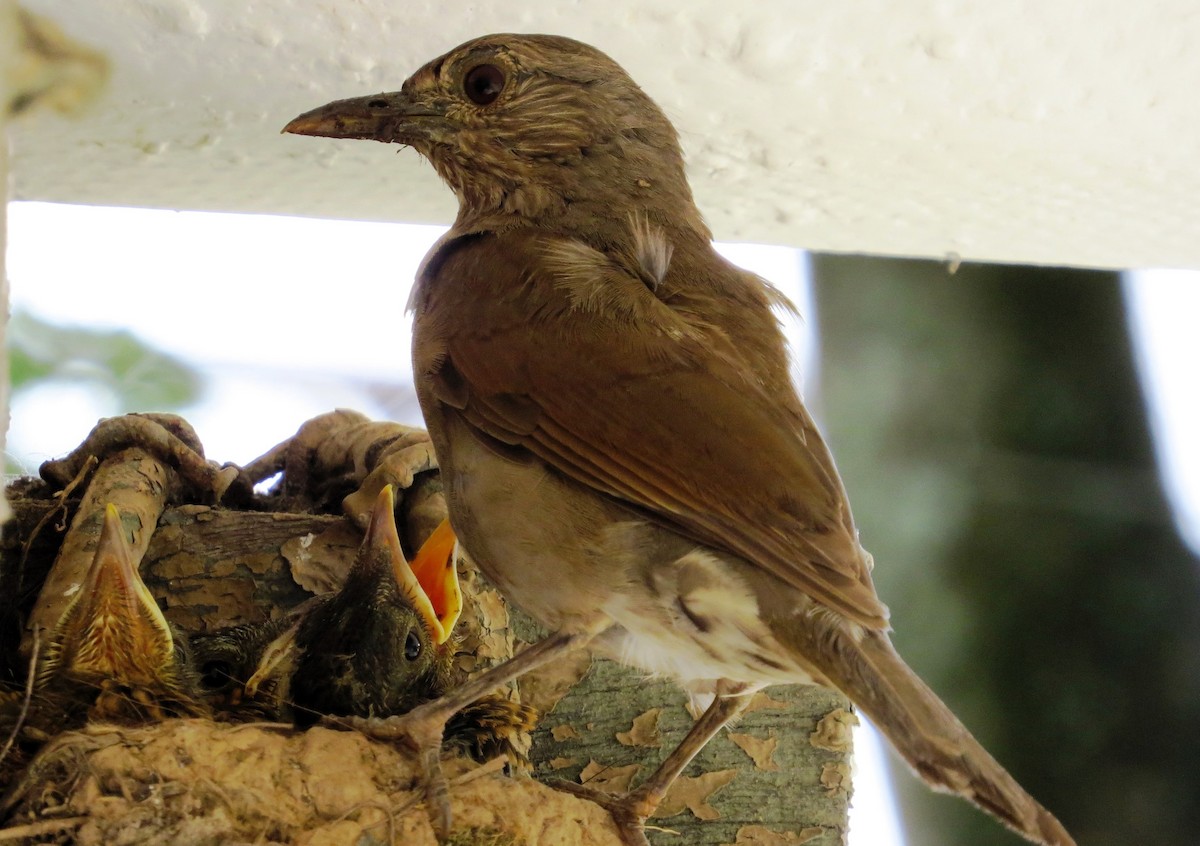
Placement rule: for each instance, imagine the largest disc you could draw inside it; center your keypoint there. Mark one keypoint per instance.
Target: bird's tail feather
(932, 740)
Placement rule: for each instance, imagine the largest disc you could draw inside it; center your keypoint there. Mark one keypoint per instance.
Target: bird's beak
(114, 626)
(430, 582)
(394, 117)
(277, 654)
(435, 568)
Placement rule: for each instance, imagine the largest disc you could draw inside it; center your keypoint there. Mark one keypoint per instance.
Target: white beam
(1033, 130)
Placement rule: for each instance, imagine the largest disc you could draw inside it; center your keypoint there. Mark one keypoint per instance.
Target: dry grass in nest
(199, 782)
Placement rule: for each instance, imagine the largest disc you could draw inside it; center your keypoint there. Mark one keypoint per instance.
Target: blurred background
(1020, 445)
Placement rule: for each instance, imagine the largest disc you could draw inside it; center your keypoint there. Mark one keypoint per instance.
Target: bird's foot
(629, 811)
(485, 729)
(421, 729)
(424, 727)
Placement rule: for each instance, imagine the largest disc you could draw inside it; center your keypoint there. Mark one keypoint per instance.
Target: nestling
(379, 646)
(111, 657)
(113, 648)
(622, 449)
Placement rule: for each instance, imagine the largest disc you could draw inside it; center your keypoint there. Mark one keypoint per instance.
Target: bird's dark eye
(412, 646)
(483, 84)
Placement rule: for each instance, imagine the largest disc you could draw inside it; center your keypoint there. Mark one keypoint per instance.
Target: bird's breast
(570, 557)
(530, 530)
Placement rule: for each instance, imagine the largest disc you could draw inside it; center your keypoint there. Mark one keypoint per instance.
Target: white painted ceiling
(1053, 131)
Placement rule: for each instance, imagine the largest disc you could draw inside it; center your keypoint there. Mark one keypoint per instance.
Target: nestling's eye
(483, 84)
(412, 646)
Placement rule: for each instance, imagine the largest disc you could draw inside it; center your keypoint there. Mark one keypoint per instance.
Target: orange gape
(436, 571)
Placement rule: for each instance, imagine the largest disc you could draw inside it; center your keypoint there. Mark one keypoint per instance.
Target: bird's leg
(423, 726)
(631, 810)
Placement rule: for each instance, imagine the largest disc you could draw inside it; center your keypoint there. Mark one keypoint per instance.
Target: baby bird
(379, 646)
(112, 652)
(111, 657)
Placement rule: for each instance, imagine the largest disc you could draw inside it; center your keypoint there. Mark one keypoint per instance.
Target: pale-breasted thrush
(623, 451)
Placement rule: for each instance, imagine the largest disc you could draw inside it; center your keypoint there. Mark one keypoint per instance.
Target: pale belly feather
(697, 623)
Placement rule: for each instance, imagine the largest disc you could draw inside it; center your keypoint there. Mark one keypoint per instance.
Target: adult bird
(623, 452)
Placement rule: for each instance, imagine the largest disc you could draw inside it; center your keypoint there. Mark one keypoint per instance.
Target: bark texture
(779, 775)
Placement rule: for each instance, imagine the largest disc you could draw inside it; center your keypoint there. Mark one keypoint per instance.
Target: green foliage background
(137, 376)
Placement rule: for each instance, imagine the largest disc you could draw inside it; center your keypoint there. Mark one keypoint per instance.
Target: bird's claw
(629, 811)
(421, 730)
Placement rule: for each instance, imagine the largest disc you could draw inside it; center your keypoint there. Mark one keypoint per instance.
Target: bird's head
(113, 640)
(427, 586)
(526, 125)
(112, 628)
(382, 643)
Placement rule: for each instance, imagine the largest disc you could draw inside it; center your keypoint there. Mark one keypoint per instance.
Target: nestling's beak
(430, 582)
(437, 571)
(113, 628)
(394, 117)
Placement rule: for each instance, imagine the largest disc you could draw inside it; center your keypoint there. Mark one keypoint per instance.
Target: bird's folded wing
(620, 393)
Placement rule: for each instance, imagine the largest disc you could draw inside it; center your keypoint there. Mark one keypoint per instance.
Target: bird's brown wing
(613, 388)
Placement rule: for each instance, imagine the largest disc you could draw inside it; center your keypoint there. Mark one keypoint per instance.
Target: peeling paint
(761, 750)
(835, 777)
(760, 835)
(607, 778)
(834, 731)
(320, 562)
(644, 731)
(693, 792)
(762, 701)
(564, 732)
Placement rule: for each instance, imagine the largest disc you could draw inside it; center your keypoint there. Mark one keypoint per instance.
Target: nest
(215, 551)
(199, 782)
